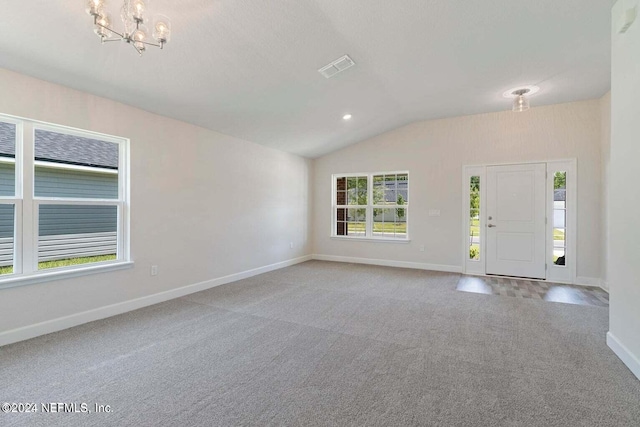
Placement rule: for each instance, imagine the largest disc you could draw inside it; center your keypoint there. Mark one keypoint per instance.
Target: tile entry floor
(523, 288)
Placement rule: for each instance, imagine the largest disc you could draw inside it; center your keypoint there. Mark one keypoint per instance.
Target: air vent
(336, 66)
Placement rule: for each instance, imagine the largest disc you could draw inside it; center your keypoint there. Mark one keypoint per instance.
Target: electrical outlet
(154, 270)
(291, 245)
(421, 248)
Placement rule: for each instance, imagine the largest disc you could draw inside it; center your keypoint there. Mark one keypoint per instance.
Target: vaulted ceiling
(248, 68)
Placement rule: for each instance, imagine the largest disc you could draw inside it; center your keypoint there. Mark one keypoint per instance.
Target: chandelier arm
(112, 40)
(136, 48)
(150, 44)
(109, 29)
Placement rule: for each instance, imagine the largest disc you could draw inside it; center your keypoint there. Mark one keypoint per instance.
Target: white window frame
(25, 260)
(473, 266)
(369, 207)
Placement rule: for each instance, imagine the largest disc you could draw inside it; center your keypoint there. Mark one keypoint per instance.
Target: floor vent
(336, 66)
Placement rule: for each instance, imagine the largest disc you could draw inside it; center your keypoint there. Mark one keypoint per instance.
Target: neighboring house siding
(6, 235)
(72, 219)
(6, 221)
(7, 179)
(55, 182)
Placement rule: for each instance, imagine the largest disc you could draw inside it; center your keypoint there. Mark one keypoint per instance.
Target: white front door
(515, 220)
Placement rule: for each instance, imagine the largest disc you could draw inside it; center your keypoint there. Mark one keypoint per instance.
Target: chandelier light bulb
(162, 29)
(94, 7)
(138, 8)
(103, 21)
(138, 38)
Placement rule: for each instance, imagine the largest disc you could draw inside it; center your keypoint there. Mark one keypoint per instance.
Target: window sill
(372, 239)
(11, 281)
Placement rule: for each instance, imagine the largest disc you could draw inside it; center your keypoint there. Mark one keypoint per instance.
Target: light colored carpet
(325, 343)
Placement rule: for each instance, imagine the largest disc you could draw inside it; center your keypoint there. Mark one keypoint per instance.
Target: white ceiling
(248, 68)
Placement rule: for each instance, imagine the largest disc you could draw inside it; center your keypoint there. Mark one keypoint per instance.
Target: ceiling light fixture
(521, 97)
(133, 17)
(520, 102)
(346, 117)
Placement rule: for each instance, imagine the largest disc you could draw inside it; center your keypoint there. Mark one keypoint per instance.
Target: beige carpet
(331, 344)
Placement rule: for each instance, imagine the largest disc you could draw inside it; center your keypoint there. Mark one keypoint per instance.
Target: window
(63, 198)
(371, 205)
(559, 217)
(474, 218)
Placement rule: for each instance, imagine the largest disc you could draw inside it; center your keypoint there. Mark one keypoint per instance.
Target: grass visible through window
(74, 261)
(64, 263)
(380, 227)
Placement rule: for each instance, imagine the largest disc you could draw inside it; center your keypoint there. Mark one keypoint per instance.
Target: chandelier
(135, 31)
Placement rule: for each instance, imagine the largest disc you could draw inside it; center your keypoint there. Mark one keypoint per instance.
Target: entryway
(520, 220)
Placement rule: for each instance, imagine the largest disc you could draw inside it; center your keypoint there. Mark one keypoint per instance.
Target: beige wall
(204, 205)
(624, 195)
(434, 153)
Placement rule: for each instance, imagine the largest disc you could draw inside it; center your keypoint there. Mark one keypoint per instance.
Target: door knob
(491, 226)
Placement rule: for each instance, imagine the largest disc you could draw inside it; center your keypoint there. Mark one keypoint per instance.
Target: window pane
(378, 189)
(341, 191)
(72, 234)
(390, 193)
(390, 222)
(7, 222)
(341, 222)
(357, 191)
(356, 222)
(560, 180)
(71, 166)
(474, 218)
(559, 217)
(403, 189)
(7, 159)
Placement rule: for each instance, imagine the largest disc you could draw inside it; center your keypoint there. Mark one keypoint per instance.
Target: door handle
(491, 225)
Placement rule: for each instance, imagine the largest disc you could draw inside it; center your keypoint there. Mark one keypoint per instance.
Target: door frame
(554, 273)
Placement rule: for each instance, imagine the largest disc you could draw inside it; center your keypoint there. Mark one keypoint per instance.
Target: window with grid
(371, 205)
(63, 201)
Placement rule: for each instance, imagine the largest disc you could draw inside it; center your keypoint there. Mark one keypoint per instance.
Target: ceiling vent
(336, 66)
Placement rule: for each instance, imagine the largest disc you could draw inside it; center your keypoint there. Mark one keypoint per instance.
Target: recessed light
(346, 117)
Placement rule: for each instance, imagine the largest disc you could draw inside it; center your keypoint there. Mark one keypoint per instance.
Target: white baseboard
(55, 325)
(390, 263)
(591, 281)
(628, 358)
